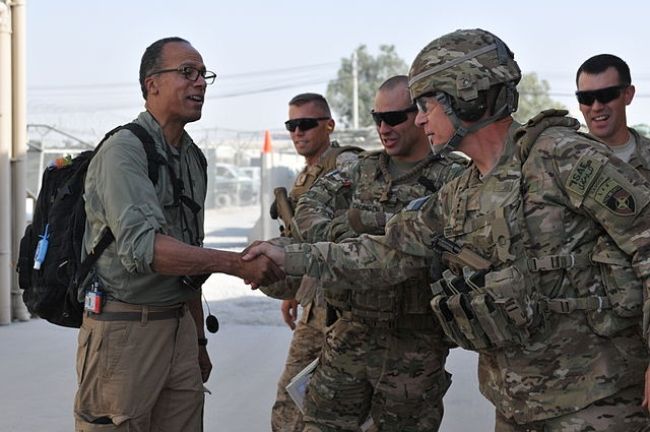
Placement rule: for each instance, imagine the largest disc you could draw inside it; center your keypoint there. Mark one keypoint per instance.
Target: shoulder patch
(583, 175)
(417, 203)
(336, 176)
(615, 198)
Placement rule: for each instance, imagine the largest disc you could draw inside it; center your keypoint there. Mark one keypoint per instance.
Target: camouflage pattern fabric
(621, 412)
(574, 192)
(305, 346)
(395, 376)
(641, 157)
(385, 356)
(461, 64)
(308, 335)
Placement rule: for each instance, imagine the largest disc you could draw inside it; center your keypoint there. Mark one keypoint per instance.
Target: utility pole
(355, 91)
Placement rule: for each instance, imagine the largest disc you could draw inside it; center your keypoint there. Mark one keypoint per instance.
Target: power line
(228, 77)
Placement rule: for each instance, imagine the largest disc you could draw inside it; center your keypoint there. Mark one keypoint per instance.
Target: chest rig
(483, 307)
(498, 305)
(404, 305)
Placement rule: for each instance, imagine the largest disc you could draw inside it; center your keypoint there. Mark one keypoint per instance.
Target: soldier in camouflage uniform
(310, 125)
(384, 356)
(564, 227)
(604, 90)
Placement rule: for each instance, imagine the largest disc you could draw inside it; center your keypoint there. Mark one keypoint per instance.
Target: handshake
(262, 263)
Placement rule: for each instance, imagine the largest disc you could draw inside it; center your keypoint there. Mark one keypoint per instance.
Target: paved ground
(37, 377)
(37, 380)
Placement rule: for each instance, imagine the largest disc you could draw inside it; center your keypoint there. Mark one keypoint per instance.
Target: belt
(145, 313)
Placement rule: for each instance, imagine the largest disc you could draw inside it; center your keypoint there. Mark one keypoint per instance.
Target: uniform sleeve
(346, 160)
(614, 195)
(127, 197)
(328, 196)
(401, 253)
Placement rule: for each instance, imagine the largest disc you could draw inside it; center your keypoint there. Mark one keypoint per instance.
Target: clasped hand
(265, 260)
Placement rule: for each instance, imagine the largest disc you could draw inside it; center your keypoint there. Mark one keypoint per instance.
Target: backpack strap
(93, 256)
(149, 148)
(154, 161)
(527, 134)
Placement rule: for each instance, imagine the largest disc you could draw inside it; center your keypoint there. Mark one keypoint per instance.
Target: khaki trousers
(138, 376)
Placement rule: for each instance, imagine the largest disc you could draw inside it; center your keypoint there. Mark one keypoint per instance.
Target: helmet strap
(461, 131)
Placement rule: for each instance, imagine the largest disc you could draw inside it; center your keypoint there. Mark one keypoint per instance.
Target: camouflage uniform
(308, 336)
(641, 156)
(539, 218)
(385, 355)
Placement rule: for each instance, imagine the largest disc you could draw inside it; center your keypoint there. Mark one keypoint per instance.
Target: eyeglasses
(603, 95)
(303, 123)
(421, 102)
(392, 118)
(190, 73)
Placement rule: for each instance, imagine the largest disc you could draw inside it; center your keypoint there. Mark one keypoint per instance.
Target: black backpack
(51, 291)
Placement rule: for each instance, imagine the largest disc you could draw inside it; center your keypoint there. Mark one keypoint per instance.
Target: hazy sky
(83, 56)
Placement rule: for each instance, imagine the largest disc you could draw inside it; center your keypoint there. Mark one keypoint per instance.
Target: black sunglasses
(392, 118)
(303, 123)
(603, 95)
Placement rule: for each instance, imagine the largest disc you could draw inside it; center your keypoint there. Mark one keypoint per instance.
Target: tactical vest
(405, 305)
(502, 307)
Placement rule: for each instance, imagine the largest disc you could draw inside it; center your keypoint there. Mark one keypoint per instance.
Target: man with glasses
(384, 354)
(515, 243)
(142, 358)
(310, 125)
(604, 90)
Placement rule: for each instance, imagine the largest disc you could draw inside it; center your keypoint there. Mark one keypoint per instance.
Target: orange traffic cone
(267, 148)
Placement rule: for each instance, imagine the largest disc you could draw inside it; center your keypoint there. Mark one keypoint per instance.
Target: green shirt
(119, 195)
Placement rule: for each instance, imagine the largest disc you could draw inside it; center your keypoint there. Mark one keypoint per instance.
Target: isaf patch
(615, 197)
(583, 175)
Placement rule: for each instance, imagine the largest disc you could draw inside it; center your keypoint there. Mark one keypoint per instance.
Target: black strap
(154, 161)
(149, 148)
(93, 256)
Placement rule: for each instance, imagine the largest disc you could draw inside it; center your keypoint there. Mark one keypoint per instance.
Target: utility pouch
(622, 286)
(508, 289)
(467, 323)
(447, 322)
(494, 322)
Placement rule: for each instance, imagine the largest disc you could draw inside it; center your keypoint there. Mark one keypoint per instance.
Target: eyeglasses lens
(392, 118)
(303, 123)
(604, 95)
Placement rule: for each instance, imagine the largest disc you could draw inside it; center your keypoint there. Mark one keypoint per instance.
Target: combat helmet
(468, 72)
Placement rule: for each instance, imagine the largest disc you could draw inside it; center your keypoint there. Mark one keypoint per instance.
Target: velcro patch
(615, 197)
(417, 203)
(583, 175)
(337, 179)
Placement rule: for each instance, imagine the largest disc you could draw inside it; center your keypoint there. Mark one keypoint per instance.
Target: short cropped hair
(395, 81)
(316, 98)
(601, 62)
(152, 59)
